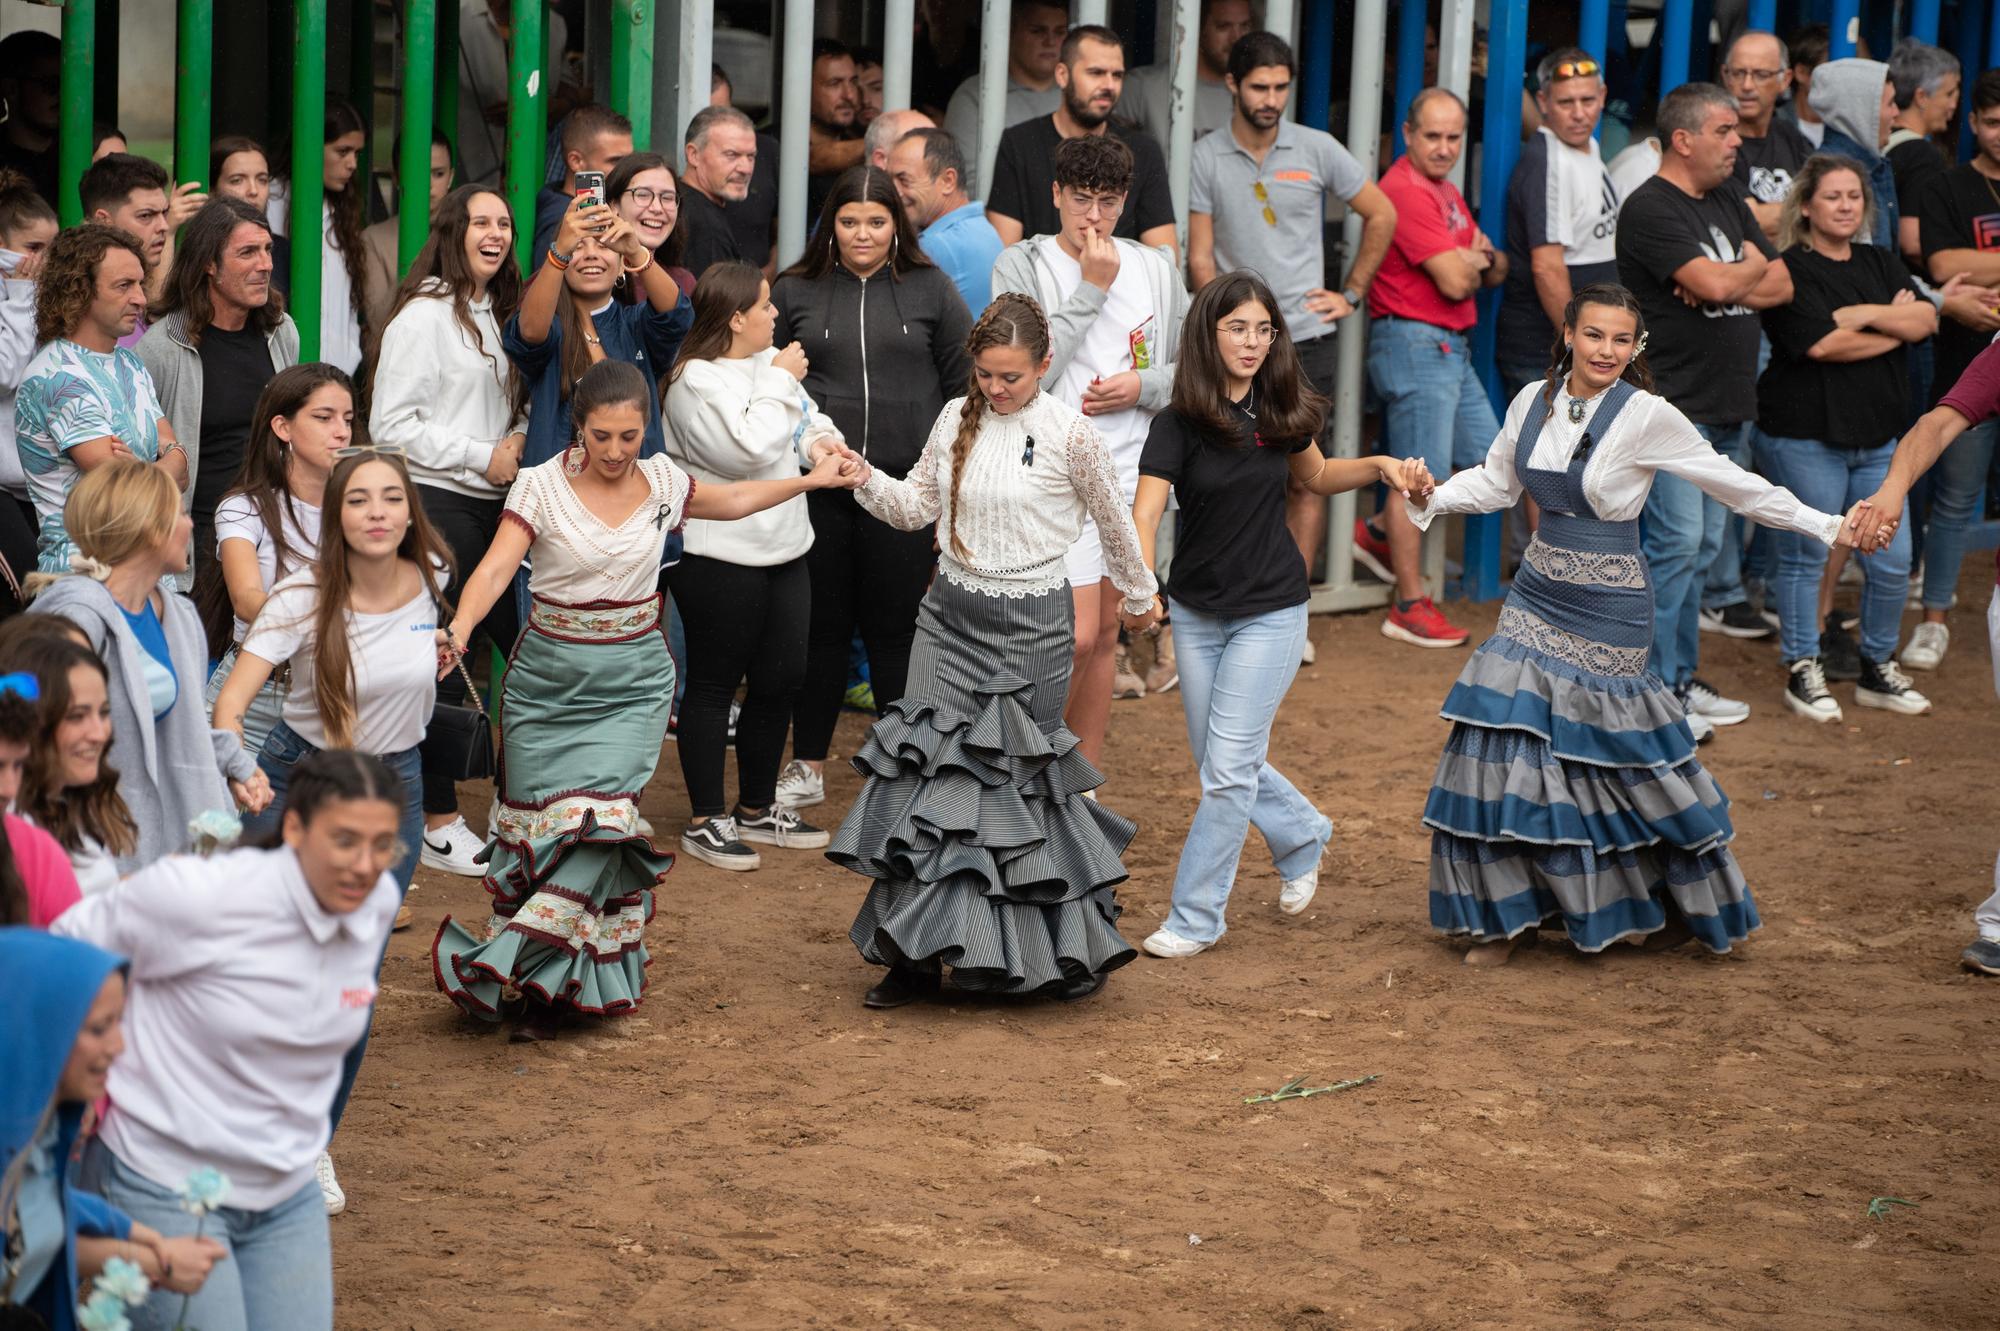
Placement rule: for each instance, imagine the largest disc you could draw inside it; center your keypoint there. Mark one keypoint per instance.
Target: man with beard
(836, 141)
(1091, 75)
(133, 194)
(1257, 198)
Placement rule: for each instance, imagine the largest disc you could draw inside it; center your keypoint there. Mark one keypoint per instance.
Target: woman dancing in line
(1241, 423)
(985, 855)
(583, 711)
(1569, 787)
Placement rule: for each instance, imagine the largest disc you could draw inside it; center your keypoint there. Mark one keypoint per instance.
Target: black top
(1765, 167)
(710, 238)
(1705, 357)
(750, 221)
(1024, 177)
(234, 369)
(1233, 555)
(1916, 163)
(1523, 331)
(1849, 404)
(1960, 210)
(39, 168)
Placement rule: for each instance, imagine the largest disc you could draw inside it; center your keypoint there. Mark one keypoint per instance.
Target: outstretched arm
(717, 501)
(1921, 446)
(489, 582)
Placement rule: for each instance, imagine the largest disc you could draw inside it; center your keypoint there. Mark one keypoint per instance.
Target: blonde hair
(1793, 228)
(124, 508)
(1012, 320)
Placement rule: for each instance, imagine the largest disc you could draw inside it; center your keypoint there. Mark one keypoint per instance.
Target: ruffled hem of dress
(1603, 721)
(993, 946)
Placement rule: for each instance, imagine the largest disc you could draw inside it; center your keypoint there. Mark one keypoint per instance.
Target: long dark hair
(348, 205)
(265, 480)
(43, 646)
(607, 383)
(201, 248)
(860, 184)
(1289, 409)
(20, 722)
(1637, 372)
(440, 272)
(725, 290)
(674, 248)
(1012, 320)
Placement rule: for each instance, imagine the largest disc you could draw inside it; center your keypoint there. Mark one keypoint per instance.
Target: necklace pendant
(1576, 411)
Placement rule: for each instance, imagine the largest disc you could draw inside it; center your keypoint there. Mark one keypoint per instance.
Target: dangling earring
(574, 459)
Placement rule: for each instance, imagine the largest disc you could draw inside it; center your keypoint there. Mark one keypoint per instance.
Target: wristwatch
(1351, 296)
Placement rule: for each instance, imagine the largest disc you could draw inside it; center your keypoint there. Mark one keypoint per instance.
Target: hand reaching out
(1871, 524)
(1410, 477)
(1140, 623)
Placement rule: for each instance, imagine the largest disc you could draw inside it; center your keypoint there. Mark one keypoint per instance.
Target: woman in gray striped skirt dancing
(985, 853)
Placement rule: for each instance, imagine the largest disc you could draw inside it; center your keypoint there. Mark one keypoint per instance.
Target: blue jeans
(1434, 406)
(1831, 480)
(1234, 673)
(1680, 536)
(283, 751)
(1722, 585)
(279, 1274)
(1958, 484)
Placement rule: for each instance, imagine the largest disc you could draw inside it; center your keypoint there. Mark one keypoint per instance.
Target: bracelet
(174, 447)
(634, 272)
(559, 260)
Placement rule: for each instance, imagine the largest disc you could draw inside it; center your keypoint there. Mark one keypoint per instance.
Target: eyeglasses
(1738, 74)
(1246, 335)
(1574, 69)
(1104, 205)
(370, 450)
(1264, 197)
(646, 198)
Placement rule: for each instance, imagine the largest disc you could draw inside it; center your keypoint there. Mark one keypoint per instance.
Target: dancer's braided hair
(1012, 320)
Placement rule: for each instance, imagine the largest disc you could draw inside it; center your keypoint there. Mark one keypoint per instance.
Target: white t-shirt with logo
(394, 657)
(236, 519)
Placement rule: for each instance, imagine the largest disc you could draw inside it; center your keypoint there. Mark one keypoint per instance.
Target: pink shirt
(1431, 217)
(45, 870)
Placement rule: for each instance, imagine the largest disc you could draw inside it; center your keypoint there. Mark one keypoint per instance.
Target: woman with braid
(987, 855)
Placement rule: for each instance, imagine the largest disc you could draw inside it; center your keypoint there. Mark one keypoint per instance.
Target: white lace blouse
(576, 557)
(1649, 436)
(1017, 519)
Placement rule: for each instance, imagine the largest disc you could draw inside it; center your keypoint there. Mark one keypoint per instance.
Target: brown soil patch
(1633, 1140)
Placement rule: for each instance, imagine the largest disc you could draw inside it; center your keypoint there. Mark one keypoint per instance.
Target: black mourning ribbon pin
(1582, 446)
(660, 518)
(1028, 453)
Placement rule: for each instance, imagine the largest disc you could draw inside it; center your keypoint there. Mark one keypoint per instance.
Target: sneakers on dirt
(800, 787)
(716, 842)
(1806, 693)
(1839, 650)
(779, 826)
(451, 848)
(1125, 682)
(1736, 621)
(1983, 956)
(1423, 625)
(1701, 697)
(1884, 685)
(1928, 644)
(1371, 550)
(329, 1186)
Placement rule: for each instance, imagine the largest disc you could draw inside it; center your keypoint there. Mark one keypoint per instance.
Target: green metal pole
(527, 93)
(414, 169)
(447, 72)
(632, 67)
(361, 92)
(308, 163)
(79, 111)
(194, 84)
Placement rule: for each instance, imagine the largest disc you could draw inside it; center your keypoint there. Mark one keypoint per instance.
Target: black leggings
(865, 573)
(742, 623)
(466, 525)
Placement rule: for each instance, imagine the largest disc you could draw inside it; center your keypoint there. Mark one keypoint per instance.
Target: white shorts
(1085, 560)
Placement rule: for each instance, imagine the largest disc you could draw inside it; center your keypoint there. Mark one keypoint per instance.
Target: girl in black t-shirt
(1242, 421)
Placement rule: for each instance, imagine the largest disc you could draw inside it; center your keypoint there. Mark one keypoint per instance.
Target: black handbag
(459, 743)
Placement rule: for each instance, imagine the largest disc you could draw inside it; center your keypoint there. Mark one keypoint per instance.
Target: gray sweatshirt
(173, 769)
(175, 364)
(1021, 267)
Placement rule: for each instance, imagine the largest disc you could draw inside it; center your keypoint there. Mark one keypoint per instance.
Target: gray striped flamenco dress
(1569, 789)
(983, 854)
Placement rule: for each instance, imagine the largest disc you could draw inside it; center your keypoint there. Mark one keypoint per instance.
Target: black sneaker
(780, 826)
(1805, 691)
(1883, 684)
(1983, 956)
(716, 842)
(1839, 652)
(1735, 621)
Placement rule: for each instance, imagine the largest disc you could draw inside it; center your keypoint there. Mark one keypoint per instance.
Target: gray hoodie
(1021, 267)
(173, 769)
(1848, 96)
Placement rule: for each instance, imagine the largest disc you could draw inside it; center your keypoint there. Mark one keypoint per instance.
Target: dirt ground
(1629, 1140)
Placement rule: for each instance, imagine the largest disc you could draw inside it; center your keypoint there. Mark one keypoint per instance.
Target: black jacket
(886, 354)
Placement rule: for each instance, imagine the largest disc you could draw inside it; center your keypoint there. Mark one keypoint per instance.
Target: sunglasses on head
(1575, 69)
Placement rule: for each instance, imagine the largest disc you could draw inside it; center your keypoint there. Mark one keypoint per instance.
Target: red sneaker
(1423, 625)
(1372, 551)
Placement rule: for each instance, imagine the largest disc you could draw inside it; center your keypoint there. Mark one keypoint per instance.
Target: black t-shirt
(235, 366)
(750, 220)
(1704, 357)
(1766, 167)
(1024, 172)
(1233, 555)
(1915, 163)
(1849, 404)
(1959, 210)
(710, 239)
(38, 167)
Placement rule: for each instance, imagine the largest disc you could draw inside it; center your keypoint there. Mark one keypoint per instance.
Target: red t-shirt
(1431, 217)
(1976, 396)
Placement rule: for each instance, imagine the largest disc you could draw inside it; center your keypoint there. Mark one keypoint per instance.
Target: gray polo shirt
(1287, 251)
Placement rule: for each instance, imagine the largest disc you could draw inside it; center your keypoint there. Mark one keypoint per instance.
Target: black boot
(1075, 989)
(901, 986)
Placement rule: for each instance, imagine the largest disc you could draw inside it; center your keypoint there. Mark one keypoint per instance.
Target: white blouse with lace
(1018, 518)
(1649, 436)
(576, 557)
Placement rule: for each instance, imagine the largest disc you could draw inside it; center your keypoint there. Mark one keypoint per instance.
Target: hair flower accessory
(213, 830)
(1640, 349)
(23, 685)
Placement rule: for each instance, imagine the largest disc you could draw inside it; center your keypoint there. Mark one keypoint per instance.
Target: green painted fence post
(194, 64)
(632, 66)
(308, 226)
(527, 94)
(79, 109)
(413, 171)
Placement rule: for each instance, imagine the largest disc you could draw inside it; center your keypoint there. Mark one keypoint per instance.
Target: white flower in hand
(205, 1190)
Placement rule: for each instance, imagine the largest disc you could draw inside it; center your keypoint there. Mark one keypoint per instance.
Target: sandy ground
(1671, 1140)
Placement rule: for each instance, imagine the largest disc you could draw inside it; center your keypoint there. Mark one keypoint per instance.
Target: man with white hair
(721, 154)
(885, 131)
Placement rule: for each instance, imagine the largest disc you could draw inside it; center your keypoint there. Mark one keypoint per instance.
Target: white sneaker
(1928, 644)
(329, 1186)
(1164, 942)
(1713, 707)
(1306, 654)
(799, 786)
(1297, 893)
(1703, 728)
(451, 849)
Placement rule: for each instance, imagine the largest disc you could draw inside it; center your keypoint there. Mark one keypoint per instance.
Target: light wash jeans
(1680, 532)
(1831, 480)
(1987, 917)
(1722, 584)
(1234, 673)
(1434, 405)
(1958, 483)
(279, 1275)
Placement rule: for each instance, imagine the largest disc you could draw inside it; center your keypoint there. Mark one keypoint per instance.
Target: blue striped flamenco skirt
(1569, 789)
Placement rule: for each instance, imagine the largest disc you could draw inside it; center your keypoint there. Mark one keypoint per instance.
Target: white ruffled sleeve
(1096, 483)
(1674, 446)
(916, 501)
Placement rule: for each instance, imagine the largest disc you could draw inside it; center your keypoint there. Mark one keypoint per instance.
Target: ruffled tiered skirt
(583, 715)
(984, 853)
(1569, 791)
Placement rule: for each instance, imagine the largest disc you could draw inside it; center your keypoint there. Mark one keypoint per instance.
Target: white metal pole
(795, 129)
(1455, 62)
(899, 39)
(1092, 12)
(1278, 18)
(1180, 109)
(694, 61)
(995, 25)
